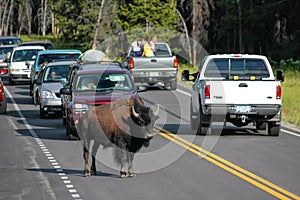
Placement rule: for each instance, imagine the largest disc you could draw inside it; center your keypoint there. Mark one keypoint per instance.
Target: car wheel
(43, 113)
(10, 81)
(64, 121)
(31, 89)
(273, 129)
(173, 85)
(3, 106)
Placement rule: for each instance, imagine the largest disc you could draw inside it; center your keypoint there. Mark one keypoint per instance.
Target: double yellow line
(255, 180)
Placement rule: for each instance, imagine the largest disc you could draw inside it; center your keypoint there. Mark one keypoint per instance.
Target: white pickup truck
(240, 89)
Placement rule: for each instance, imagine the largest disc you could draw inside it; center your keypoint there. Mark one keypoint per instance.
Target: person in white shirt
(136, 47)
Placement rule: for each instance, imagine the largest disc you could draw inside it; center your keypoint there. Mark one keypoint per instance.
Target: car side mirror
(65, 91)
(185, 76)
(280, 75)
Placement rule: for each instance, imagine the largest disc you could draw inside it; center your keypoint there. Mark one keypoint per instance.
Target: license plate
(153, 74)
(243, 109)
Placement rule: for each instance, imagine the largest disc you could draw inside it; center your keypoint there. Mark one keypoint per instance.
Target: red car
(3, 102)
(96, 85)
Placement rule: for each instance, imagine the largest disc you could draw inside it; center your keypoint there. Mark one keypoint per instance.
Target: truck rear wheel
(204, 122)
(261, 126)
(173, 85)
(273, 129)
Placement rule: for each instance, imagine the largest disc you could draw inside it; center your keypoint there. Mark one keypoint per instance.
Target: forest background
(267, 27)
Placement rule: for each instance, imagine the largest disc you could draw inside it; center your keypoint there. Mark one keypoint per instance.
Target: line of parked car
(67, 82)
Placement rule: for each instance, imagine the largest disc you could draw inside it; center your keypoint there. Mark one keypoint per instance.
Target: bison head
(145, 117)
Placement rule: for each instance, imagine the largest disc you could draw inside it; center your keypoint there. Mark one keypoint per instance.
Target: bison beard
(125, 124)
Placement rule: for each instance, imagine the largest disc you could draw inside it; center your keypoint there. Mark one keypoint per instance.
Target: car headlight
(46, 95)
(79, 108)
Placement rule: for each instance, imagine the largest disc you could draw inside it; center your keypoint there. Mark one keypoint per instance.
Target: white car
(21, 61)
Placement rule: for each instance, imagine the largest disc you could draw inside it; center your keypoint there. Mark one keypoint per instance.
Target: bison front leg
(130, 157)
(87, 171)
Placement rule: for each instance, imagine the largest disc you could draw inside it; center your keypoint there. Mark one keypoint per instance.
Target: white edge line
(39, 142)
(283, 130)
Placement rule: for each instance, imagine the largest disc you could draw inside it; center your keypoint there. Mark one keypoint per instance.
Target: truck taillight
(131, 63)
(176, 63)
(278, 92)
(207, 92)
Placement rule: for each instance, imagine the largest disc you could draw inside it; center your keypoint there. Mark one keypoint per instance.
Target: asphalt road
(39, 162)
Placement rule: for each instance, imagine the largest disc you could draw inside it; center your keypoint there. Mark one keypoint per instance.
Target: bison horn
(155, 113)
(135, 114)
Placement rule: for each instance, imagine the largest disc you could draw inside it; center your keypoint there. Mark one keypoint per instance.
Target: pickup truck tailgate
(155, 63)
(244, 92)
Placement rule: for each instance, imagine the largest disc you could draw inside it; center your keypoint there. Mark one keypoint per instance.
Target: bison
(124, 124)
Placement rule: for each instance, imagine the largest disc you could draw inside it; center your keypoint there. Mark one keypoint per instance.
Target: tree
(147, 13)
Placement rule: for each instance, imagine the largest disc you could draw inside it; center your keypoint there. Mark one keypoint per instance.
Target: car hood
(96, 98)
(52, 86)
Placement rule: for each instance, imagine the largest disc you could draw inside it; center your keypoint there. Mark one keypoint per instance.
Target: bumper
(20, 77)
(153, 77)
(51, 105)
(252, 112)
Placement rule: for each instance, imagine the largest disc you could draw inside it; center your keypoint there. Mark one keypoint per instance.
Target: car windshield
(46, 58)
(116, 82)
(5, 50)
(25, 55)
(10, 41)
(55, 73)
(226, 68)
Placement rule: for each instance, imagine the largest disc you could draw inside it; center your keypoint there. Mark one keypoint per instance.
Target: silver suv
(47, 86)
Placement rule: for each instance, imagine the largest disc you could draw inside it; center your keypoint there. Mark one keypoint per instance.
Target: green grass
(291, 97)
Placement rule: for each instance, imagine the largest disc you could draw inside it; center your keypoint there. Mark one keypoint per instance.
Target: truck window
(162, 50)
(225, 68)
(217, 68)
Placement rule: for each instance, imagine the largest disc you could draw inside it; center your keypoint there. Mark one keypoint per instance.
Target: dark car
(3, 102)
(46, 44)
(94, 86)
(10, 40)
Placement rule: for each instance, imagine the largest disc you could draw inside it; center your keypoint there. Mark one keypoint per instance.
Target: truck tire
(193, 122)
(261, 126)
(173, 85)
(204, 122)
(273, 129)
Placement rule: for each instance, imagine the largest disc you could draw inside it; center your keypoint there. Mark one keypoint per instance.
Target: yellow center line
(232, 168)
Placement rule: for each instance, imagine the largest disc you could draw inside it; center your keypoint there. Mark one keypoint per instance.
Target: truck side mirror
(185, 75)
(280, 75)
